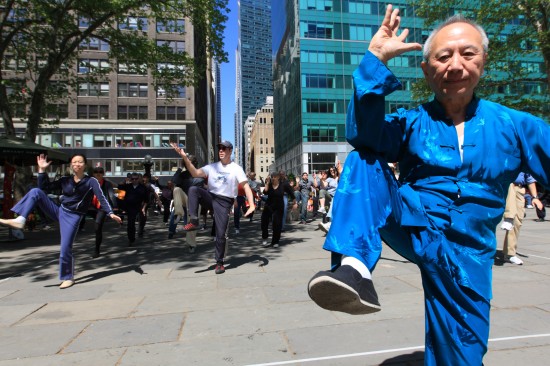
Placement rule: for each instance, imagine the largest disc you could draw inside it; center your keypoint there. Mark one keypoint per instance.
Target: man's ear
(424, 66)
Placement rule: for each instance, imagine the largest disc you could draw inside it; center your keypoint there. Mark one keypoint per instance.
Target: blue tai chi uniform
(443, 212)
(75, 200)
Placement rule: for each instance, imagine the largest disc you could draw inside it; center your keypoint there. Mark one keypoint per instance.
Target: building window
(320, 106)
(94, 44)
(132, 90)
(176, 46)
(93, 89)
(360, 33)
(316, 30)
(87, 65)
(177, 91)
(132, 112)
(325, 5)
(360, 7)
(171, 113)
(170, 25)
(132, 69)
(57, 111)
(92, 111)
(318, 81)
(134, 23)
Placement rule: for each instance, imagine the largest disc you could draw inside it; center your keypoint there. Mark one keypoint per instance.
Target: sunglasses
(223, 148)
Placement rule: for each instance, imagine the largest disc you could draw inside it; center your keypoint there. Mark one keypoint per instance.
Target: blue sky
(228, 73)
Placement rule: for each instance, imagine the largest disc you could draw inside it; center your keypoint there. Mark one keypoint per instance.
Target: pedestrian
(514, 213)
(457, 155)
(100, 215)
(166, 196)
(77, 194)
(184, 181)
(274, 208)
(136, 199)
(301, 194)
(223, 179)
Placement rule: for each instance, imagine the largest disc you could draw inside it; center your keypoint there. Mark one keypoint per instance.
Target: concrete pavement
(156, 304)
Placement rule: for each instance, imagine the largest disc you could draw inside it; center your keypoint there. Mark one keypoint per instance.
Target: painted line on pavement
(386, 351)
(536, 256)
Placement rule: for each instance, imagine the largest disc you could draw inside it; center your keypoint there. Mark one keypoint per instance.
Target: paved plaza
(157, 304)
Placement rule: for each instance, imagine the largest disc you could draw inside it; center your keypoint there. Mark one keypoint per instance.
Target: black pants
(132, 214)
(220, 206)
(275, 215)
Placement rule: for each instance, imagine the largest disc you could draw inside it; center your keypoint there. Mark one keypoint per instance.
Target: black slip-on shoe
(344, 290)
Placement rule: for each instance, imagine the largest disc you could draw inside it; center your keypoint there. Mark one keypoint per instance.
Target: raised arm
(196, 173)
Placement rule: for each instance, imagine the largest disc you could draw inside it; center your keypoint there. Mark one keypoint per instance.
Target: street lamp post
(147, 164)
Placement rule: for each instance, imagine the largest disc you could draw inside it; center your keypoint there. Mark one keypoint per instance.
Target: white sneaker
(322, 210)
(324, 227)
(529, 206)
(507, 225)
(265, 243)
(237, 231)
(276, 245)
(12, 223)
(514, 260)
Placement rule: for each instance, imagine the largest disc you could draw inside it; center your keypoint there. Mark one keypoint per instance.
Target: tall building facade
(319, 43)
(262, 145)
(254, 66)
(121, 119)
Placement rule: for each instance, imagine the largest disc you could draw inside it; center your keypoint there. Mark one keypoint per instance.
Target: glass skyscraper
(317, 45)
(254, 67)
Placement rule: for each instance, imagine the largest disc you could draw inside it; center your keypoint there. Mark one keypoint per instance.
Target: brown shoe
(12, 223)
(66, 284)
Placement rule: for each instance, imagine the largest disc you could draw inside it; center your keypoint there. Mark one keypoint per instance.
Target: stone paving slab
(37, 340)
(157, 304)
(66, 312)
(92, 358)
(116, 333)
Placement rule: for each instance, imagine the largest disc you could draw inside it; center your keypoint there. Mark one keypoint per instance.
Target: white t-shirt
(223, 180)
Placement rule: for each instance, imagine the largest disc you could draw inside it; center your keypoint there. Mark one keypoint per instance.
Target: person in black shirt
(135, 204)
(274, 208)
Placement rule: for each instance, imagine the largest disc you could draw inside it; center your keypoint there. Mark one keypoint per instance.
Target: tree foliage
(519, 35)
(41, 41)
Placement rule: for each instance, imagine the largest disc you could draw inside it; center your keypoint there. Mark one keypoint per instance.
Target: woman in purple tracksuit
(77, 192)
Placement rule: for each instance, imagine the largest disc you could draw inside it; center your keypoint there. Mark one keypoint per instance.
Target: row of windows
(354, 7)
(96, 44)
(169, 113)
(263, 120)
(87, 65)
(347, 58)
(319, 81)
(109, 140)
(323, 106)
(141, 23)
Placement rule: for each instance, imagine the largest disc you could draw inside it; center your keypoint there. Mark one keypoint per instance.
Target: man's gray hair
(457, 18)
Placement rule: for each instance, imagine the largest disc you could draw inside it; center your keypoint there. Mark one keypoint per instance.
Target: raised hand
(42, 162)
(178, 149)
(386, 43)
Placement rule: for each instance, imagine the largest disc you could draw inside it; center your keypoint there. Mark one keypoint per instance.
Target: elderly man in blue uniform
(457, 156)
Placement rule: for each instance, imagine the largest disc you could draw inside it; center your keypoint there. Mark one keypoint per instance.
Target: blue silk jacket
(463, 198)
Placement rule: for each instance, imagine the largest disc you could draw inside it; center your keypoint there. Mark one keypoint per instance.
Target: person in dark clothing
(135, 203)
(274, 208)
(77, 191)
(166, 196)
(108, 192)
(183, 181)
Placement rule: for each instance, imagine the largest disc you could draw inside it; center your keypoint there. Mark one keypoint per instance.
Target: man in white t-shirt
(223, 179)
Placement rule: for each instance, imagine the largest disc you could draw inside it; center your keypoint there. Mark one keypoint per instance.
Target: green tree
(519, 35)
(41, 40)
